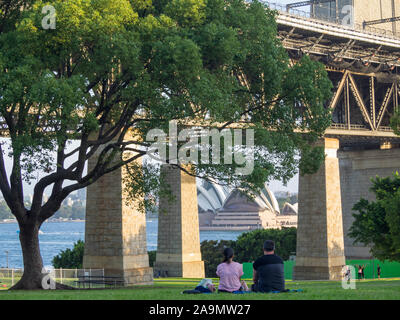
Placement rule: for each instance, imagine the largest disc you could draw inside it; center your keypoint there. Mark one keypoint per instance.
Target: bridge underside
(359, 144)
(364, 74)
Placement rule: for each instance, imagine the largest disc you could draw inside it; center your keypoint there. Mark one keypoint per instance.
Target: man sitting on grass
(268, 274)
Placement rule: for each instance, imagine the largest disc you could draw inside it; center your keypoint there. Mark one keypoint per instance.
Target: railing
(342, 126)
(382, 128)
(310, 15)
(70, 277)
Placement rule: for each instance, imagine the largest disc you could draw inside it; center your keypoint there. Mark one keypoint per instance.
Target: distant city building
(223, 209)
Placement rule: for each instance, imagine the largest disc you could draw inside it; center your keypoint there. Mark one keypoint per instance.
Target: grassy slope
(170, 289)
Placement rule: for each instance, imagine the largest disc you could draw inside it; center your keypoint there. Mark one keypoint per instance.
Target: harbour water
(57, 236)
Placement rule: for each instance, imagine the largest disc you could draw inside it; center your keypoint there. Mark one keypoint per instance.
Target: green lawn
(171, 288)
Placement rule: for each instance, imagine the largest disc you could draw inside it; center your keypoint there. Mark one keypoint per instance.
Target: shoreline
(238, 228)
(50, 221)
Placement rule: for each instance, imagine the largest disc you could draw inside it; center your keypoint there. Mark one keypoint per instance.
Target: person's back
(269, 271)
(229, 273)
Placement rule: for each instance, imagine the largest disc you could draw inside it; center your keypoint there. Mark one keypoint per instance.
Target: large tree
(377, 223)
(112, 70)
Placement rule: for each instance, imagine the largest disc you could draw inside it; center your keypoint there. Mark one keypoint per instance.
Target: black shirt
(270, 273)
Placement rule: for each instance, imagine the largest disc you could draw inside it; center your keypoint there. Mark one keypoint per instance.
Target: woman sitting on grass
(229, 273)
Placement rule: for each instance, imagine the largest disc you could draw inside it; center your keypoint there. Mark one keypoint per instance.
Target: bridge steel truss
(373, 103)
(364, 70)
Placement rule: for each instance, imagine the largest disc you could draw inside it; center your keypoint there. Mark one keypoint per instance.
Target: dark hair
(228, 253)
(269, 245)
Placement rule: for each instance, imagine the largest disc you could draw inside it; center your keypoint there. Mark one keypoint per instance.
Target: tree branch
(4, 184)
(54, 202)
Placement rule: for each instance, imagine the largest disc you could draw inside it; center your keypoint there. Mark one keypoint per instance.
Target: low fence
(8, 277)
(388, 269)
(70, 277)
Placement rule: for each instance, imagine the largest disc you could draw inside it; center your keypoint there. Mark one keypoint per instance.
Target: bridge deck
(307, 17)
(337, 30)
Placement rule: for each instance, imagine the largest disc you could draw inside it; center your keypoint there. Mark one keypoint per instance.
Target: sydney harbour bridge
(358, 41)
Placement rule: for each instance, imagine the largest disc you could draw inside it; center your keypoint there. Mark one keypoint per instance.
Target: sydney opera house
(223, 209)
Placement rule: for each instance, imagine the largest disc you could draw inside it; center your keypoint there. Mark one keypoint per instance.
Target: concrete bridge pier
(320, 243)
(115, 233)
(178, 245)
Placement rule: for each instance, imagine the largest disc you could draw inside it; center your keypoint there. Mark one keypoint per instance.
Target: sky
(275, 186)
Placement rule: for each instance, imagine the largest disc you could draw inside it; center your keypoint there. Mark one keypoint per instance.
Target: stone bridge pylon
(320, 242)
(178, 245)
(115, 233)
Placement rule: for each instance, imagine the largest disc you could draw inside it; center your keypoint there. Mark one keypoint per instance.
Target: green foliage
(395, 122)
(377, 222)
(5, 212)
(249, 246)
(186, 12)
(152, 257)
(180, 59)
(70, 259)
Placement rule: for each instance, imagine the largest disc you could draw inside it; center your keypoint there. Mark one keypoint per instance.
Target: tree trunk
(33, 263)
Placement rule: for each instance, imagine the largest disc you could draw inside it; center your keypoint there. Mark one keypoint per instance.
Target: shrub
(249, 246)
(70, 259)
(152, 257)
